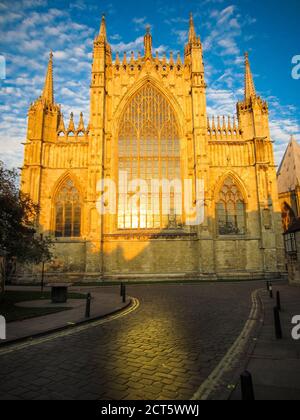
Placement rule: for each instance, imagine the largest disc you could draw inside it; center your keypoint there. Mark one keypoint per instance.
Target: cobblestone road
(164, 350)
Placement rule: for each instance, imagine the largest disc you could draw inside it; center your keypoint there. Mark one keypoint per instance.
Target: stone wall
(1, 276)
(293, 262)
(176, 257)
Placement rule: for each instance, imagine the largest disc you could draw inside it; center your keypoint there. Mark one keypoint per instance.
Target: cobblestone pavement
(164, 350)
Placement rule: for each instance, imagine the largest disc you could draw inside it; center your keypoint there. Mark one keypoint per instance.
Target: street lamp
(43, 269)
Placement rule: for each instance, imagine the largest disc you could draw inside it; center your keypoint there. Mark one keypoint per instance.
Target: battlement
(72, 133)
(222, 128)
(247, 104)
(137, 63)
(44, 104)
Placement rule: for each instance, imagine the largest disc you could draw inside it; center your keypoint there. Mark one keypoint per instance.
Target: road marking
(227, 363)
(74, 330)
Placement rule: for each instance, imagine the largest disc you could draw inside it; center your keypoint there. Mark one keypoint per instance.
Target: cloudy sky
(268, 29)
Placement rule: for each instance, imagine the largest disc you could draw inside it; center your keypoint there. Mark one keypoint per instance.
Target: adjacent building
(289, 184)
(289, 196)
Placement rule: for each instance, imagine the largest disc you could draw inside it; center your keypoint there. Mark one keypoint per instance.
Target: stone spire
(193, 44)
(148, 43)
(48, 92)
(102, 37)
(81, 124)
(171, 59)
(71, 128)
(61, 127)
(249, 84)
(178, 62)
(192, 31)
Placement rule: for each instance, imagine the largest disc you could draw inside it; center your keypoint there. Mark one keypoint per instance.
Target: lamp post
(43, 270)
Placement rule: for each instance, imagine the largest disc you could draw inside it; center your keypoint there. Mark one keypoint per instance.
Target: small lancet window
(230, 210)
(68, 211)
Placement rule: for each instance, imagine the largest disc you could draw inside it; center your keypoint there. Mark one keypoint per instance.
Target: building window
(68, 211)
(290, 243)
(149, 148)
(230, 209)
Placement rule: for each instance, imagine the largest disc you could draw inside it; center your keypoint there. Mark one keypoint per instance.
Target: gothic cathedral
(148, 119)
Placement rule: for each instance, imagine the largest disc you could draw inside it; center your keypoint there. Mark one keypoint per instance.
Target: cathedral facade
(148, 120)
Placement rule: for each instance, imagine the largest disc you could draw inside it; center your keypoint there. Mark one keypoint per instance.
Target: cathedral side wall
(69, 257)
(151, 257)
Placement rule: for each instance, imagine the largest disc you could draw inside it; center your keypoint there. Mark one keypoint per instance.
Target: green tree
(19, 241)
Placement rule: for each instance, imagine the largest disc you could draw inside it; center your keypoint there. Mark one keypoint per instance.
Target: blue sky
(268, 29)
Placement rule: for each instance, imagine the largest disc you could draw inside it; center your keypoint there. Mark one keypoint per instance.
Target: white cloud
(31, 46)
(136, 45)
(37, 31)
(225, 31)
(139, 22)
(229, 47)
(61, 55)
(182, 36)
(220, 102)
(115, 37)
(176, 20)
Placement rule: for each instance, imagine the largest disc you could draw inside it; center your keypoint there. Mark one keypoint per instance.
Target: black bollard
(271, 290)
(268, 286)
(121, 289)
(247, 387)
(278, 300)
(88, 306)
(278, 329)
(124, 293)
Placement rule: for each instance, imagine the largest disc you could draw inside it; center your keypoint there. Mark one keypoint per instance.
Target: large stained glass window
(149, 148)
(67, 211)
(230, 209)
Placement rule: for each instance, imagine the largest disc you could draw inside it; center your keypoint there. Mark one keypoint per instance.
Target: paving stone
(159, 351)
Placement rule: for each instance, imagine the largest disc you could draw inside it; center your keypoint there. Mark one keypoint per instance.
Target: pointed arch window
(231, 210)
(149, 148)
(68, 211)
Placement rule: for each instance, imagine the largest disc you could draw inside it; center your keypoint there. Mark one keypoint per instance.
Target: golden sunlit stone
(148, 116)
